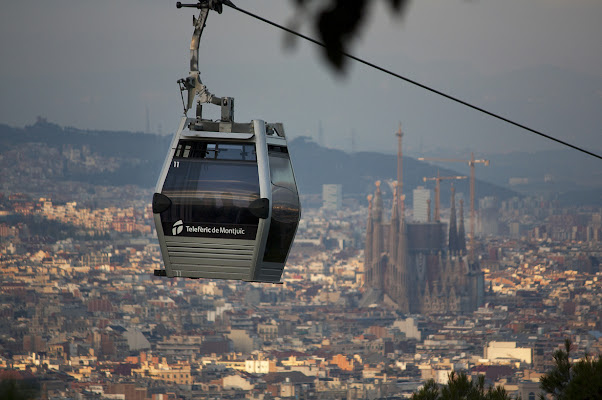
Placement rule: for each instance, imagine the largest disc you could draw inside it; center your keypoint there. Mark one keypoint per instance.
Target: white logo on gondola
(177, 228)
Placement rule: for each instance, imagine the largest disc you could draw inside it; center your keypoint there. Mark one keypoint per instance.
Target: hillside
(316, 165)
(44, 154)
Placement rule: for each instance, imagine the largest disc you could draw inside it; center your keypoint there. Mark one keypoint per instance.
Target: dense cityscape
(86, 319)
(239, 260)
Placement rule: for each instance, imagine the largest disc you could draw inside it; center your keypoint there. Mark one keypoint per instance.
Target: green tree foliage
(586, 382)
(11, 389)
(430, 391)
(579, 381)
(555, 381)
(338, 22)
(460, 387)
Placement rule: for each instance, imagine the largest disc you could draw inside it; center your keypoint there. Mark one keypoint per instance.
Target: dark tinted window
(285, 207)
(281, 171)
(215, 151)
(214, 189)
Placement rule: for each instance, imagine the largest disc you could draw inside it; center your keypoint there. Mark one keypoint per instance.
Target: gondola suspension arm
(192, 83)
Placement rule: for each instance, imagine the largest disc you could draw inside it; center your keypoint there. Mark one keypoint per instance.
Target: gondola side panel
(158, 188)
(265, 192)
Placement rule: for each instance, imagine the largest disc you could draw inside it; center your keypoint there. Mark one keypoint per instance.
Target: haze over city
(104, 65)
(368, 273)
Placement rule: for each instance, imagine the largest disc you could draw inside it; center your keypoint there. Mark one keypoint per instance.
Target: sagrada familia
(416, 266)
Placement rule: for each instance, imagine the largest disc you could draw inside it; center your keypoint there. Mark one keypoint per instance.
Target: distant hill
(51, 152)
(316, 165)
(45, 151)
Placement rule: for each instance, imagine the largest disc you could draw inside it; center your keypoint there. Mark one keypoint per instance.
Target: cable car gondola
(226, 203)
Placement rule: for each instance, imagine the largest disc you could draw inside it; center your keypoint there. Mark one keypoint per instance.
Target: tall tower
(394, 229)
(453, 229)
(420, 205)
(377, 236)
(332, 196)
(368, 260)
(404, 295)
(320, 134)
(400, 196)
(147, 126)
(461, 232)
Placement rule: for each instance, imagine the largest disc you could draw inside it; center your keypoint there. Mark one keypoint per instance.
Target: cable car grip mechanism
(192, 83)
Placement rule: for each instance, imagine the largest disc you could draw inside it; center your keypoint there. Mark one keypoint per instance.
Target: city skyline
(83, 306)
(387, 287)
(89, 310)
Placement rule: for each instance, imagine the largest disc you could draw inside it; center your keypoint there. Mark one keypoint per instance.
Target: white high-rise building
(420, 206)
(332, 196)
(488, 214)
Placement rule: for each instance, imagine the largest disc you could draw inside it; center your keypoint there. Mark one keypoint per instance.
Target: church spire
(394, 209)
(403, 284)
(377, 237)
(368, 248)
(461, 233)
(400, 196)
(453, 229)
(394, 231)
(377, 205)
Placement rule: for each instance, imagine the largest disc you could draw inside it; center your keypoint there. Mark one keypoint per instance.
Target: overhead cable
(421, 85)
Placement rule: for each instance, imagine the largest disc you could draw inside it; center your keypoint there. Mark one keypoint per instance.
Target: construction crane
(438, 180)
(472, 162)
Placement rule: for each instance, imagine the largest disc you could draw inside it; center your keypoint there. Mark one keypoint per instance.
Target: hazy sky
(101, 64)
